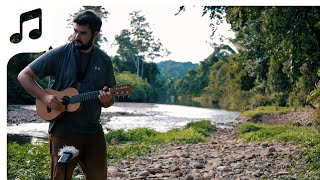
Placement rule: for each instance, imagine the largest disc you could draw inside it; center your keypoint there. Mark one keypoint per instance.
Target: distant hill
(175, 70)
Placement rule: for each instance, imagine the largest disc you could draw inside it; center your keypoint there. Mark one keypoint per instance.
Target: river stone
(264, 144)
(144, 173)
(188, 177)
(222, 168)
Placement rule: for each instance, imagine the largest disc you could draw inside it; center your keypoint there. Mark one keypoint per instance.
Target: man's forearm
(30, 85)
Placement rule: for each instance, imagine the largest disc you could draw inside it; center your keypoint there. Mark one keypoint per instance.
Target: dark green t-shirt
(63, 65)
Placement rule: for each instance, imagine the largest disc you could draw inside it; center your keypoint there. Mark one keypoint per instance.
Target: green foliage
(266, 110)
(27, 162)
(175, 70)
(307, 136)
(119, 135)
(116, 153)
(176, 136)
(143, 91)
(313, 157)
(202, 127)
(195, 82)
(15, 92)
(193, 132)
(278, 56)
(140, 134)
(247, 127)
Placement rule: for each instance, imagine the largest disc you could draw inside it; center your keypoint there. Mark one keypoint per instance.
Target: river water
(160, 117)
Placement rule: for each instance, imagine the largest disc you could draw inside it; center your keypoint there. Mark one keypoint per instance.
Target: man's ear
(95, 35)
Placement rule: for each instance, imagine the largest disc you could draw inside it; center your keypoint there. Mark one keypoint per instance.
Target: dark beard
(83, 46)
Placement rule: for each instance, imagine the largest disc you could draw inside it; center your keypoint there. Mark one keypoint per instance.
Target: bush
(203, 127)
(119, 135)
(255, 118)
(140, 134)
(248, 127)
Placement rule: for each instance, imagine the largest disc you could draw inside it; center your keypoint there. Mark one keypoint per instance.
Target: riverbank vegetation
(255, 129)
(307, 137)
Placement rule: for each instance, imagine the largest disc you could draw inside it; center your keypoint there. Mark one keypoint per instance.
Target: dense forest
(276, 62)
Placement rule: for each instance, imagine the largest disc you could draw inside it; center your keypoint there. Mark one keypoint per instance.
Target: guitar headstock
(121, 90)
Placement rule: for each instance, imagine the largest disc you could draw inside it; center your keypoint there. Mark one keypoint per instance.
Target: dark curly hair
(89, 17)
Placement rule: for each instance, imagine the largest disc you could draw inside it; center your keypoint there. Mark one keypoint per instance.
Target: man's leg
(57, 170)
(93, 161)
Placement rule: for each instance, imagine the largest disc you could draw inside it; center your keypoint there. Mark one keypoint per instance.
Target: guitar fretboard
(84, 97)
(115, 91)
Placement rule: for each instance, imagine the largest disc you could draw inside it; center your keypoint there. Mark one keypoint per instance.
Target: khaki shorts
(92, 156)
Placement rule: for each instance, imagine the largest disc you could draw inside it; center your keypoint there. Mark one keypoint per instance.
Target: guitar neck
(84, 97)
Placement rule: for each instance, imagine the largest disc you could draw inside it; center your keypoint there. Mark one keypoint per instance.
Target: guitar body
(49, 114)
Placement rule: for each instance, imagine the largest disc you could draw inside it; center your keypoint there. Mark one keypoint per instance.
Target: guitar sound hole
(66, 100)
(48, 109)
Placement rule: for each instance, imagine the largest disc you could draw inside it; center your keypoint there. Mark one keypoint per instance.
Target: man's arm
(27, 80)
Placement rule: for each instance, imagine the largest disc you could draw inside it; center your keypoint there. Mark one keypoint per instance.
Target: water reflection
(190, 101)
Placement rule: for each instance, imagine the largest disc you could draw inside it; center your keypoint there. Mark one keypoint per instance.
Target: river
(160, 117)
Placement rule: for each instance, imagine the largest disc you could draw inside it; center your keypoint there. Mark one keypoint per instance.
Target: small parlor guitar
(71, 100)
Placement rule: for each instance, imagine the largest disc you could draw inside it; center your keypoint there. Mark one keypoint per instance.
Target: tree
(276, 46)
(138, 43)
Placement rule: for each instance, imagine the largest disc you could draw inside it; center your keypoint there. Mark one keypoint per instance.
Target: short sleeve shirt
(61, 64)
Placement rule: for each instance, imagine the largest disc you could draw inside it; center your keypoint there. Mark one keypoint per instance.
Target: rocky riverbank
(17, 115)
(225, 157)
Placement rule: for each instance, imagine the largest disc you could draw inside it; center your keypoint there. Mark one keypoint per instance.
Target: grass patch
(308, 137)
(193, 132)
(265, 110)
(116, 152)
(28, 161)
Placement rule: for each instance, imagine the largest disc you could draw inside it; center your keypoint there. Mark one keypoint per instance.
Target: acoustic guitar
(71, 100)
